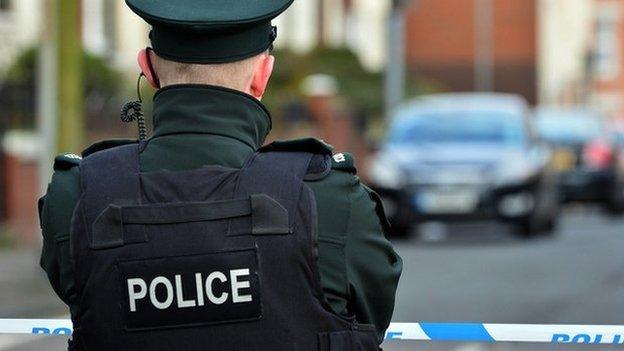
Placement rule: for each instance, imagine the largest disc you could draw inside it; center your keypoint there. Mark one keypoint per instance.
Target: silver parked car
(466, 157)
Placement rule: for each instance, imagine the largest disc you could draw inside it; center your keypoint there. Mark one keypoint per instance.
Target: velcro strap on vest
(268, 217)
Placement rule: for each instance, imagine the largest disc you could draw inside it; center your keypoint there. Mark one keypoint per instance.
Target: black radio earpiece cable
(133, 111)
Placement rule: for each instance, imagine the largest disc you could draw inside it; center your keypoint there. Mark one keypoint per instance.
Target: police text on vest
(139, 289)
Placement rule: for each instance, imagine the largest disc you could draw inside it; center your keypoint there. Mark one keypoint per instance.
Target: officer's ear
(145, 63)
(262, 74)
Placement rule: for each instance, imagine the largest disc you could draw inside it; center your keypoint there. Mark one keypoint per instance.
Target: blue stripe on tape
(456, 332)
(390, 335)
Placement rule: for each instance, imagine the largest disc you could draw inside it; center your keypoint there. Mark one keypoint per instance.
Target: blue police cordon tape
(437, 332)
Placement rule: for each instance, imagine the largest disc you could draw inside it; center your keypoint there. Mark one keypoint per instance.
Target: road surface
(485, 274)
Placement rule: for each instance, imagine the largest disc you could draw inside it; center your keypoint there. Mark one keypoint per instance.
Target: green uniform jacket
(203, 125)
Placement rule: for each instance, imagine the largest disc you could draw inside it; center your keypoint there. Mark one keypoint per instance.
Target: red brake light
(597, 155)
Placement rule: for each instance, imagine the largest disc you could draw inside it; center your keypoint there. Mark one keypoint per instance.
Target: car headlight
(513, 173)
(516, 205)
(385, 175)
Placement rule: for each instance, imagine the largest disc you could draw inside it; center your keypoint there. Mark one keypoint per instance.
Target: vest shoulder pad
(105, 145)
(66, 161)
(311, 145)
(344, 162)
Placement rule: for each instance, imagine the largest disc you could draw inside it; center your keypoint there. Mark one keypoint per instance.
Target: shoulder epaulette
(344, 162)
(312, 145)
(105, 145)
(66, 161)
(379, 208)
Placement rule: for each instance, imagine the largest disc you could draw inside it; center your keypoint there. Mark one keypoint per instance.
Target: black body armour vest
(210, 259)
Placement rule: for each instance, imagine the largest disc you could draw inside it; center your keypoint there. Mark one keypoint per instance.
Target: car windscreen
(569, 129)
(491, 127)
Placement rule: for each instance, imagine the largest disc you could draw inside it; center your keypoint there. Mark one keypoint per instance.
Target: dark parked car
(466, 157)
(586, 154)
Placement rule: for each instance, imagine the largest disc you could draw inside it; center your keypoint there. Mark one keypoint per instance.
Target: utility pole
(321, 22)
(46, 83)
(396, 70)
(70, 137)
(484, 45)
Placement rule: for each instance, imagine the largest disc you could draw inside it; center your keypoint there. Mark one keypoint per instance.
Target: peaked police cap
(210, 31)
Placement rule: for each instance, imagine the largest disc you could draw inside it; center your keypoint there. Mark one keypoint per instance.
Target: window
(5, 5)
(607, 54)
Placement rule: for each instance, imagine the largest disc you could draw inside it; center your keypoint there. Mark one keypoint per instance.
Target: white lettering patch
(194, 290)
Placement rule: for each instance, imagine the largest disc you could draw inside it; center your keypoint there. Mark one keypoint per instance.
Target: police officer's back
(200, 238)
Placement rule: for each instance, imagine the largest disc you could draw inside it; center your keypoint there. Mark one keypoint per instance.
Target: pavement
(26, 293)
(461, 273)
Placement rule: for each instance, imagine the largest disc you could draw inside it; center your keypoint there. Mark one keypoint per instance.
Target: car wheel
(550, 228)
(530, 228)
(535, 225)
(616, 205)
(526, 229)
(399, 231)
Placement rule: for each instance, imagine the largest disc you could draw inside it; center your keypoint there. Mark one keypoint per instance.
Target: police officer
(201, 238)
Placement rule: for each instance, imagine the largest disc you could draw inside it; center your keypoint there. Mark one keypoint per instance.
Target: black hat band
(202, 47)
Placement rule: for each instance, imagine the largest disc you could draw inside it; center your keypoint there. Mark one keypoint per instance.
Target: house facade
(360, 25)
(18, 28)
(606, 68)
(566, 33)
(108, 29)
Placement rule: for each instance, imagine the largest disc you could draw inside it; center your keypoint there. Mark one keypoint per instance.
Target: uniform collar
(210, 110)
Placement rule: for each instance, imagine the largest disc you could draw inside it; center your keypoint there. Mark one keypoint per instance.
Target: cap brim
(207, 14)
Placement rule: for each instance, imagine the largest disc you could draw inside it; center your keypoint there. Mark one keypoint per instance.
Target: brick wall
(21, 199)
(21, 186)
(441, 44)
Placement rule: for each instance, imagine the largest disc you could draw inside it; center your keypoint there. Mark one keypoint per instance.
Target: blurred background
(492, 129)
